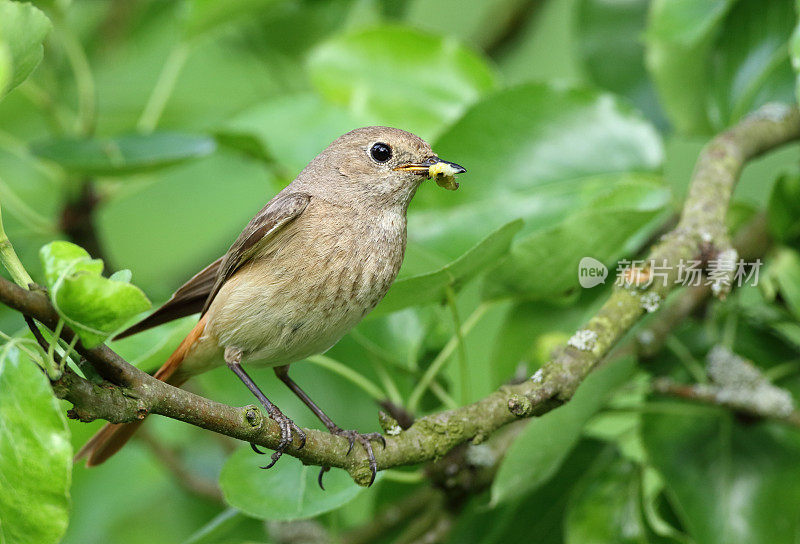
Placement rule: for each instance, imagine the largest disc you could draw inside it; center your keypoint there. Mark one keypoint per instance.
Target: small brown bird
(308, 267)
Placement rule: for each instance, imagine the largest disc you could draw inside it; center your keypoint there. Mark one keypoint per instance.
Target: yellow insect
(444, 173)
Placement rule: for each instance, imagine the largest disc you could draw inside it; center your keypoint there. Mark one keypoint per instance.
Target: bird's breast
(309, 288)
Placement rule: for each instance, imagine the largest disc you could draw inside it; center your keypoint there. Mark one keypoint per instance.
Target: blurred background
(152, 131)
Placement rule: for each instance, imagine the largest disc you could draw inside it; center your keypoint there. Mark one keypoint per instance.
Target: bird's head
(377, 165)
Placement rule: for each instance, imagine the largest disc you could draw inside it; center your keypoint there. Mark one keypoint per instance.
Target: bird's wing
(196, 294)
(262, 228)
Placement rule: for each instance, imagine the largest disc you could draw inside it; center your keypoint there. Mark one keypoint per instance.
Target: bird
(310, 265)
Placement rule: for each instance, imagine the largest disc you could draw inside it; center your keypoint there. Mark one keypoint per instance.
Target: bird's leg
(233, 358)
(364, 439)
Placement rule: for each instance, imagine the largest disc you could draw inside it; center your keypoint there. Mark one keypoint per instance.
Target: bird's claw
(366, 441)
(287, 427)
(322, 472)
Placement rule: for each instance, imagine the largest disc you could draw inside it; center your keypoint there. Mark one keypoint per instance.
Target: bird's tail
(110, 439)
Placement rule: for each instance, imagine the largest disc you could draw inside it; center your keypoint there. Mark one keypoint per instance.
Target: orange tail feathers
(110, 439)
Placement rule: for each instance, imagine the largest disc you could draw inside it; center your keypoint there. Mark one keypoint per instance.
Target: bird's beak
(433, 167)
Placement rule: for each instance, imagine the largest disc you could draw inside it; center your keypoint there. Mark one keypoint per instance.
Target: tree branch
(738, 385)
(751, 242)
(701, 232)
(704, 394)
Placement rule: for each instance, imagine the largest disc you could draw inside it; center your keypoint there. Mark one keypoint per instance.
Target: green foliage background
(579, 122)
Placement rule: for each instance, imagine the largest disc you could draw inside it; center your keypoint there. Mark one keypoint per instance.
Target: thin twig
(439, 361)
(463, 365)
(10, 260)
(361, 381)
(37, 334)
(163, 88)
(84, 81)
(704, 394)
(26, 215)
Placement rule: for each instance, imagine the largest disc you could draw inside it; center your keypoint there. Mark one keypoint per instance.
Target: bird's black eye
(381, 152)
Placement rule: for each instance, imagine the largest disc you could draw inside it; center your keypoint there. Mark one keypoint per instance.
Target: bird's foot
(287, 427)
(366, 441)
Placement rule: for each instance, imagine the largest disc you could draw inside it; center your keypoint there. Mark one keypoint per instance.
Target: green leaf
(606, 508)
(221, 528)
(539, 450)
(400, 77)
(207, 15)
(543, 46)
(567, 150)
(287, 491)
(544, 264)
(35, 455)
(482, 24)
(758, 306)
(6, 69)
(531, 330)
(652, 495)
(129, 69)
(750, 63)
(95, 306)
(538, 517)
(292, 129)
(610, 44)
(124, 154)
(296, 30)
(398, 337)
(794, 54)
(564, 134)
(790, 331)
(23, 28)
(679, 39)
(784, 209)
(713, 61)
(430, 287)
(61, 257)
(92, 305)
(729, 483)
(124, 275)
(225, 190)
(785, 269)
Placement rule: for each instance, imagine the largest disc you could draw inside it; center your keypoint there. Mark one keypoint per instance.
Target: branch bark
(704, 394)
(701, 233)
(737, 384)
